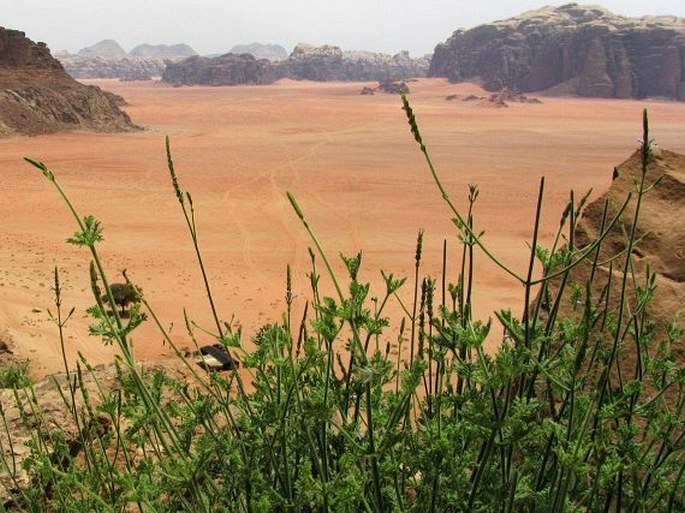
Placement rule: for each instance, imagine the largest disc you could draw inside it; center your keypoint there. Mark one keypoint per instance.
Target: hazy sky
(214, 26)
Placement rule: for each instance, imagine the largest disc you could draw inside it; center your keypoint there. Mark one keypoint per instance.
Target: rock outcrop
(328, 63)
(37, 96)
(306, 62)
(271, 52)
(228, 69)
(572, 49)
(659, 248)
(107, 59)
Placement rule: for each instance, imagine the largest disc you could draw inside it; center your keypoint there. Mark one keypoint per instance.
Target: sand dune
(349, 159)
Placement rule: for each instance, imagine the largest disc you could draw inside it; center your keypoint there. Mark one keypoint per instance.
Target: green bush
(15, 375)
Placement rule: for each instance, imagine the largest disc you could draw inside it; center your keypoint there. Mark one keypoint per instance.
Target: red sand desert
(352, 164)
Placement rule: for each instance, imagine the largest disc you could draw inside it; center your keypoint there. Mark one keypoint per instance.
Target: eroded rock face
(37, 96)
(17, 51)
(659, 248)
(584, 50)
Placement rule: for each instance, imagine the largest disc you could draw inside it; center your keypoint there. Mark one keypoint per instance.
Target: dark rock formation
(571, 49)
(271, 52)
(229, 69)
(391, 87)
(17, 51)
(37, 96)
(388, 86)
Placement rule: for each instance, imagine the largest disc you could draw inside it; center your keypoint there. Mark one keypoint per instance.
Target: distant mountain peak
(107, 48)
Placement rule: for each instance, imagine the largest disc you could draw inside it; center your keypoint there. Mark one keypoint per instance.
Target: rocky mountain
(572, 49)
(271, 52)
(306, 62)
(37, 96)
(106, 49)
(228, 69)
(107, 59)
(177, 51)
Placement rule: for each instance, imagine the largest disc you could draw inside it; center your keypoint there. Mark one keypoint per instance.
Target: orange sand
(349, 159)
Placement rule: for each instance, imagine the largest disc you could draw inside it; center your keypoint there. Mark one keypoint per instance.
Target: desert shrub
(341, 417)
(124, 294)
(15, 375)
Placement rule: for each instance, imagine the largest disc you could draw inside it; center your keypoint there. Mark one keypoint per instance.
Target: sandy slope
(349, 159)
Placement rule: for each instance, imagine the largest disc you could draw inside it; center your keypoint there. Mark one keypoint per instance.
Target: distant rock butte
(306, 62)
(572, 49)
(37, 96)
(177, 51)
(229, 69)
(271, 52)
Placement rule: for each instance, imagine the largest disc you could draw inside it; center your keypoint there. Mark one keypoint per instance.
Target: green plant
(15, 375)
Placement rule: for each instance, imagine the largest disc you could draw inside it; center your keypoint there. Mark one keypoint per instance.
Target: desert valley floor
(352, 164)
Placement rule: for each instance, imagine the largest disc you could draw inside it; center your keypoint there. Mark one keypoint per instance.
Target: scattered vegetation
(347, 409)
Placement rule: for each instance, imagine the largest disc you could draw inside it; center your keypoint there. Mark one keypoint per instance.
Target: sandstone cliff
(37, 96)
(572, 49)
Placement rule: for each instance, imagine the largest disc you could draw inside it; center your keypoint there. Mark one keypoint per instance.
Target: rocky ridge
(306, 62)
(271, 52)
(572, 49)
(107, 59)
(37, 96)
